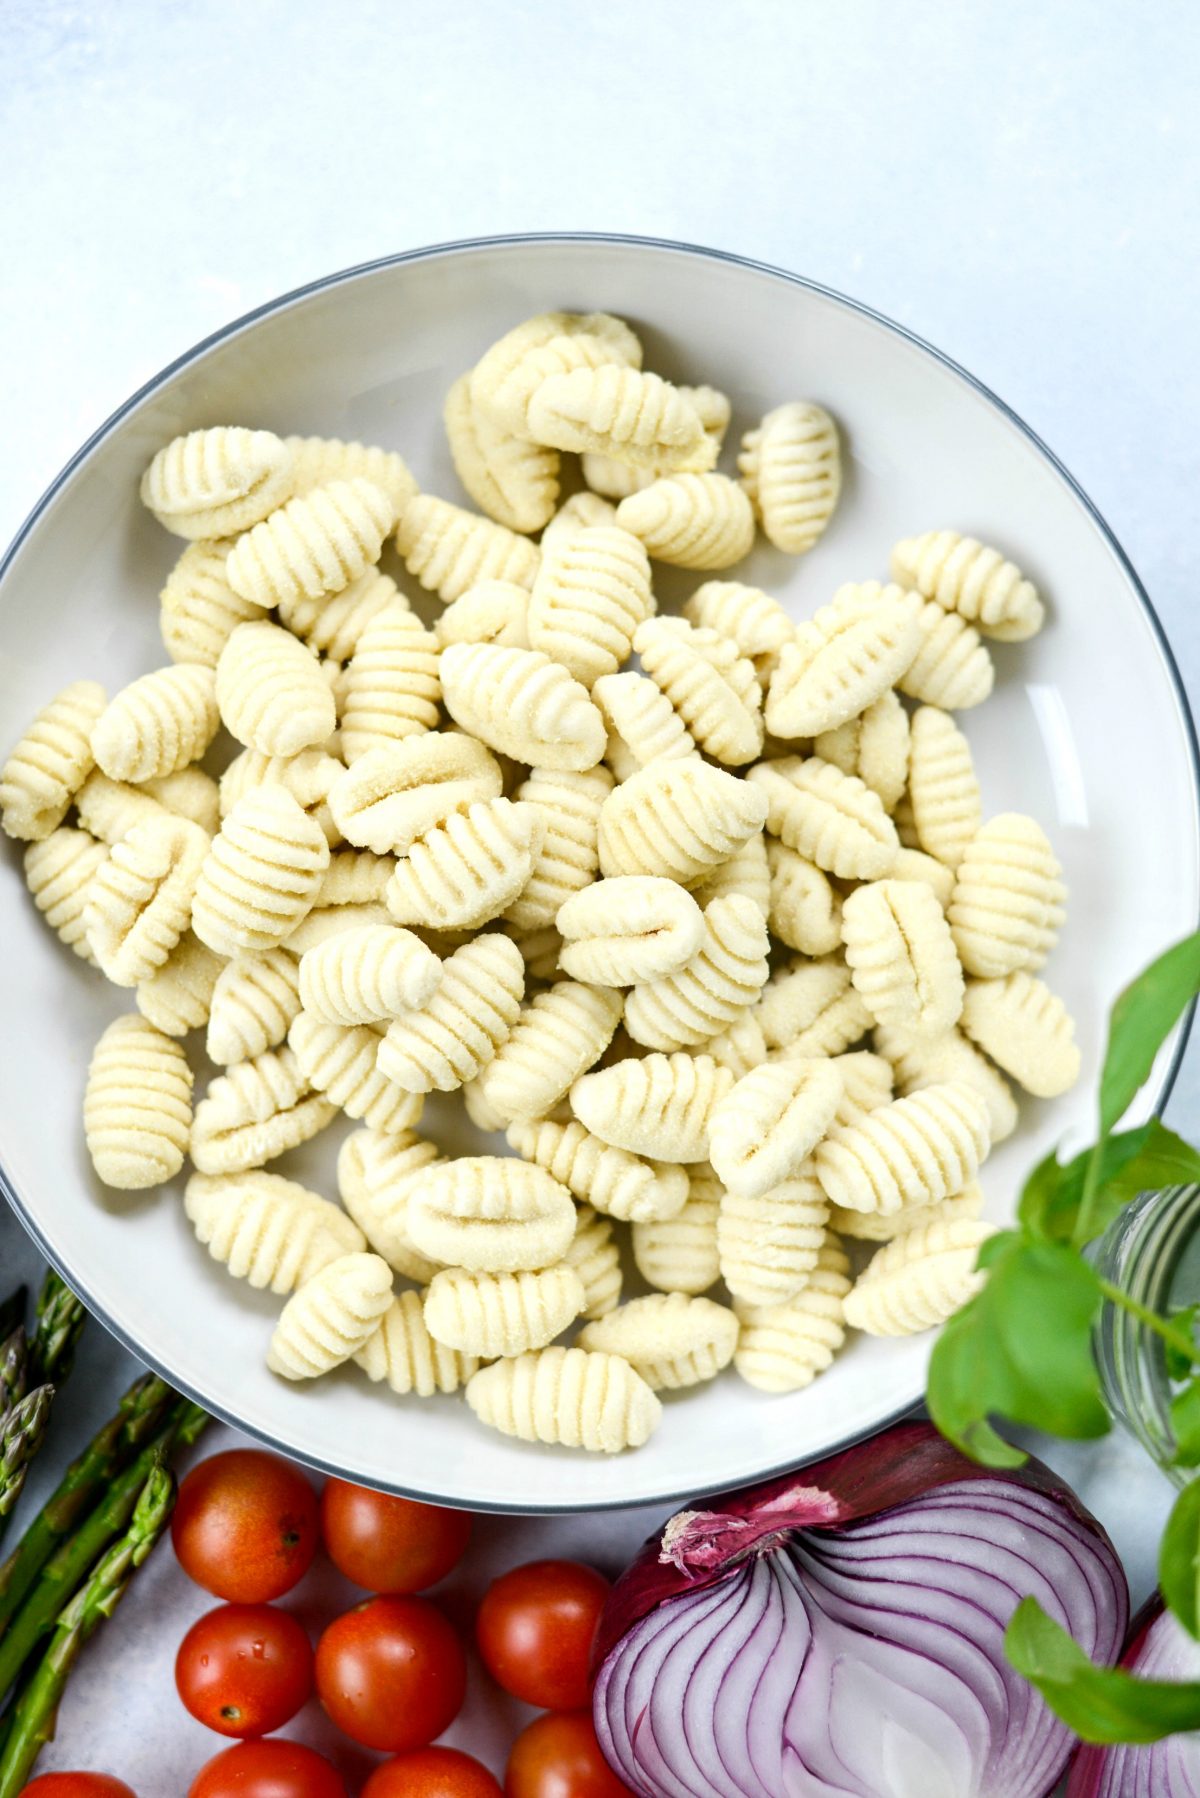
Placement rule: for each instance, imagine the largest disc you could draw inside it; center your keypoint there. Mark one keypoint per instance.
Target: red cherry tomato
(535, 1629)
(391, 1673)
(77, 1785)
(272, 1769)
(245, 1525)
(558, 1756)
(432, 1773)
(244, 1669)
(390, 1544)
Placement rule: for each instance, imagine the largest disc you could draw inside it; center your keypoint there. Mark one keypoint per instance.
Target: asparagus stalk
(60, 1320)
(12, 1311)
(21, 1430)
(138, 1416)
(33, 1718)
(14, 1368)
(62, 1573)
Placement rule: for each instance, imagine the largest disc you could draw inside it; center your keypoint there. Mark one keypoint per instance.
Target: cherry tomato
(391, 1673)
(432, 1773)
(558, 1756)
(390, 1544)
(245, 1525)
(272, 1769)
(78, 1785)
(244, 1669)
(535, 1629)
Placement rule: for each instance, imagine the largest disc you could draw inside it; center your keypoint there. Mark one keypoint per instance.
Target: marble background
(1017, 182)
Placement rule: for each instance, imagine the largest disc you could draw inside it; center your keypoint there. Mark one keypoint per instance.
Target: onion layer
(1159, 1648)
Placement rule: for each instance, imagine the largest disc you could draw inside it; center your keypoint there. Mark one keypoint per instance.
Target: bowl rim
(670, 246)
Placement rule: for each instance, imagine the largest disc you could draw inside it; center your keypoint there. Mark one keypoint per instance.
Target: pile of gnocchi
(721, 941)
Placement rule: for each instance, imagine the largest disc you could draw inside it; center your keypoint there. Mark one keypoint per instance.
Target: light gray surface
(1017, 183)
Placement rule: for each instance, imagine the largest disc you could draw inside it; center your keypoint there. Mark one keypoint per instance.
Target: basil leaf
(1179, 1559)
(1141, 1021)
(1022, 1349)
(1179, 1366)
(1185, 1425)
(1135, 1161)
(1101, 1704)
(1053, 1193)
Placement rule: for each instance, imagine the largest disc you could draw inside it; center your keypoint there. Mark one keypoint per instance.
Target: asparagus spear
(12, 1310)
(139, 1415)
(21, 1430)
(14, 1367)
(34, 1714)
(60, 1319)
(65, 1569)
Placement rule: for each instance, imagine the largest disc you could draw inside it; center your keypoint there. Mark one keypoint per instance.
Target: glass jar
(1152, 1251)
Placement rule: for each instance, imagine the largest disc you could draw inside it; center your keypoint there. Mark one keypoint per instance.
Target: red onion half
(1159, 1648)
(840, 1631)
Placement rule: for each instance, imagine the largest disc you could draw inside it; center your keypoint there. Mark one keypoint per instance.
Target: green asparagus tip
(14, 1367)
(60, 1320)
(21, 1431)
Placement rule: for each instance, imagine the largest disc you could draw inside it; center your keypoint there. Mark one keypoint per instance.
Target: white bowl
(1088, 730)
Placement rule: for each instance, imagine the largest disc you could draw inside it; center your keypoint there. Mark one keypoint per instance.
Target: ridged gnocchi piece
(1009, 901)
(355, 877)
(617, 480)
(659, 1106)
(58, 872)
(491, 1214)
(739, 1048)
(268, 1231)
(505, 379)
(198, 609)
(137, 1105)
(634, 927)
(177, 996)
(213, 483)
(919, 1279)
(309, 777)
(902, 957)
(691, 520)
(341, 1061)
(589, 596)
(569, 855)
(805, 910)
(770, 1242)
(595, 1257)
(567, 1396)
(810, 1008)
(791, 468)
(782, 1348)
(916, 1150)
(254, 1112)
(487, 1315)
(393, 684)
(870, 1226)
(712, 989)
(921, 1061)
(261, 874)
(188, 793)
(670, 1339)
(828, 817)
(333, 623)
(459, 1029)
(489, 612)
(331, 1317)
(713, 689)
(768, 1124)
(511, 479)
(942, 784)
(641, 718)
(317, 543)
(679, 820)
(1027, 1031)
(449, 550)
(618, 411)
(469, 869)
(964, 576)
(679, 1254)
(395, 794)
(754, 622)
(557, 1037)
(874, 746)
(952, 668)
(525, 705)
(610, 1180)
(316, 461)
(841, 660)
(157, 724)
(377, 1175)
(139, 900)
(109, 809)
(50, 763)
(254, 999)
(368, 976)
(403, 1353)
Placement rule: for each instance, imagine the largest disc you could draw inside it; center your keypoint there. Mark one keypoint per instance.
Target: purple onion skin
(721, 1544)
(1166, 1769)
